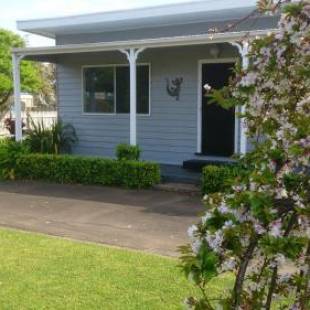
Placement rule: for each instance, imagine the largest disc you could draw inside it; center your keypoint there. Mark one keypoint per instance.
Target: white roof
(173, 14)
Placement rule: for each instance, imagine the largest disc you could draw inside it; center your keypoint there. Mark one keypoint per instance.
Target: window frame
(114, 66)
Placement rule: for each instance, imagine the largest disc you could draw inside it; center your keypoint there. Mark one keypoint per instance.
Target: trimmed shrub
(127, 152)
(218, 178)
(9, 152)
(86, 170)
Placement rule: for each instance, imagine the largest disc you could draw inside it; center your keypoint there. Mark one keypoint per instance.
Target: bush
(57, 139)
(128, 152)
(217, 179)
(86, 170)
(9, 152)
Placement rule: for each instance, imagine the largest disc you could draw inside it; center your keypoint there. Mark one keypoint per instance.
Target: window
(99, 90)
(123, 90)
(107, 89)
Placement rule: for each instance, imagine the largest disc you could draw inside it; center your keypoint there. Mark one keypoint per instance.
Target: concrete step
(196, 165)
(180, 179)
(192, 189)
(176, 174)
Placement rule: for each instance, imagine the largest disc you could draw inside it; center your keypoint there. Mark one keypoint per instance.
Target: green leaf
(31, 80)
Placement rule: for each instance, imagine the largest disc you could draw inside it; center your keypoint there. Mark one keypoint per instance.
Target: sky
(12, 10)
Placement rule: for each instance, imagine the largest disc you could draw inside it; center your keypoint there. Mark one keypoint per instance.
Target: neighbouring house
(31, 111)
(137, 76)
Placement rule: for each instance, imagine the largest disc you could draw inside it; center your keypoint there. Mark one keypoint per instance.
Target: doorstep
(198, 164)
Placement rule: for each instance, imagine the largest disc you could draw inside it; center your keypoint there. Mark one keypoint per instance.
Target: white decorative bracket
(243, 49)
(16, 59)
(132, 53)
(132, 56)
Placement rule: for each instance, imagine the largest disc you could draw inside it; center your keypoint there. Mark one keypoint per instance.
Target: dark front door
(218, 124)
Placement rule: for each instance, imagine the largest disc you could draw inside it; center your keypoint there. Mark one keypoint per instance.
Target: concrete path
(148, 220)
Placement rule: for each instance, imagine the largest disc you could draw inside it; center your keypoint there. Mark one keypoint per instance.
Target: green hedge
(9, 152)
(128, 152)
(86, 170)
(218, 178)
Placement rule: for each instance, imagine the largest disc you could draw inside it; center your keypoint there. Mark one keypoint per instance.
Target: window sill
(113, 114)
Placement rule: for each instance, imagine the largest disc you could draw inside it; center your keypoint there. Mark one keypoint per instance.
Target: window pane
(143, 89)
(99, 90)
(123, 89)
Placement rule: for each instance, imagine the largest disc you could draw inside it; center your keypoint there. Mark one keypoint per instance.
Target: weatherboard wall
(168, 134)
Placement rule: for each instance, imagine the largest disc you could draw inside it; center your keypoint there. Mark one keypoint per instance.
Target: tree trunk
(305, 296)
(271, 287)
(274, 276)
(241, 272)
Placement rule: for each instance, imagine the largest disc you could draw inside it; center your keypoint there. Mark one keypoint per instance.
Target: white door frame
(199, 102)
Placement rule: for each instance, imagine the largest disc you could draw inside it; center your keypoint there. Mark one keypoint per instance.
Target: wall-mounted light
(215, 51)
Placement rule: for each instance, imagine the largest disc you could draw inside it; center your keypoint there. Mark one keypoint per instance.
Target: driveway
(148, 220)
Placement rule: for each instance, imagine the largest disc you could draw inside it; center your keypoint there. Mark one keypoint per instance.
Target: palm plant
(63, 137)
(57, 139)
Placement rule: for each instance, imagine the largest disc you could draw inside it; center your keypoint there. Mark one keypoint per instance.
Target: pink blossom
(259, 229)
(276, 228)
(229, 264)
(196, 245)
(206, 217)
(215, 241)
(223, 209)
(192, 231)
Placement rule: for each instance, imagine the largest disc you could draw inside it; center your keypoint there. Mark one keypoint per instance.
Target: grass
(40, 272)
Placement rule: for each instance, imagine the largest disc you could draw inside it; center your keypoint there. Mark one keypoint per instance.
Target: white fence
(47, 117)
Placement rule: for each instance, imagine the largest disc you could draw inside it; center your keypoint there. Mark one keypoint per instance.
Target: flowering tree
(261, 226)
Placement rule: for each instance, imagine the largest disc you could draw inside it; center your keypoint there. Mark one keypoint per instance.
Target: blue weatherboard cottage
(137, 76)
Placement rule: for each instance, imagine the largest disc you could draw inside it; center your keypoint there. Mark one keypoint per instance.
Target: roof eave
(146, 43)
(41, 33)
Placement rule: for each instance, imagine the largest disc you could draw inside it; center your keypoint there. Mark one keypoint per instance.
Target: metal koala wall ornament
(174, 88)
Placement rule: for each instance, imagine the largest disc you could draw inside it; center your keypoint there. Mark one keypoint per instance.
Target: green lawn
(39, 272)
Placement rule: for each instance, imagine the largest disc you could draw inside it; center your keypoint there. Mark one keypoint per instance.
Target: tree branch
(252, 14)
(5, 97)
